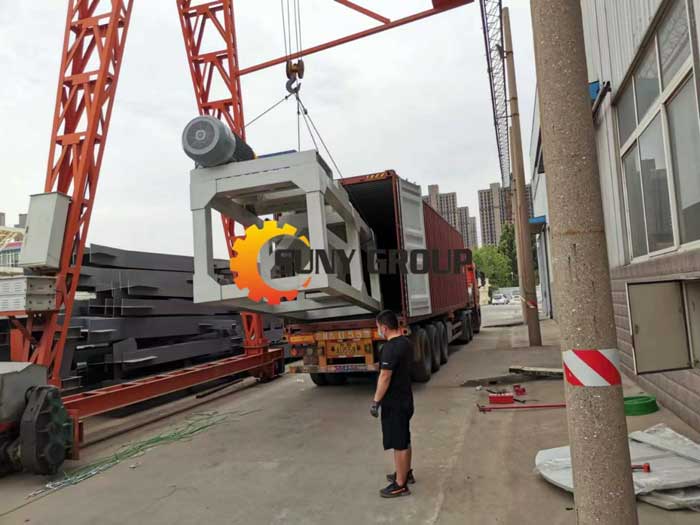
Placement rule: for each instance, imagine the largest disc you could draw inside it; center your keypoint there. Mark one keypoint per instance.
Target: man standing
(395, 397)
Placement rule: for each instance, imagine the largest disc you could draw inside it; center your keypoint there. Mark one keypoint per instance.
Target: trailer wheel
(434, 342)
(319, 379)
(476, 327)
(467, 332)
(336, 379)
(444, 352)
(463, 337)
(422, 360)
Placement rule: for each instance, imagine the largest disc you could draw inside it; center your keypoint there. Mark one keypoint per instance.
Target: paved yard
(290, 452)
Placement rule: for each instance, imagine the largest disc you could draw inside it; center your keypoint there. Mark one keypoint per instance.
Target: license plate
(343, 349)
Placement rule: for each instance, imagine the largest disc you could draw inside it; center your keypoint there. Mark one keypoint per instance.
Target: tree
(494, 264)
(506, 245)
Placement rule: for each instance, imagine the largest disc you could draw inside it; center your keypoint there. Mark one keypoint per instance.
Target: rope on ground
(192, 426)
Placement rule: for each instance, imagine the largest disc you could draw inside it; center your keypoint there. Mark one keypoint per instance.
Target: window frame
(665, 96)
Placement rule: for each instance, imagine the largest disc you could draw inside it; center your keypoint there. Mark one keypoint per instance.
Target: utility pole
(600, 455)
(526, 269)
(516, 234)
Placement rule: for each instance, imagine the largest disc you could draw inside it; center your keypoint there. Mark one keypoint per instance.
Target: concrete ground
(504, 314)
(290, 452)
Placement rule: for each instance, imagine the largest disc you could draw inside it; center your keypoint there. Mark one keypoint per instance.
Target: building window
(685, 156)
(659, 132)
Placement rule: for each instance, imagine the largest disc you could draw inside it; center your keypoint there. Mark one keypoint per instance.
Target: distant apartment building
(495, 210)
(10, 246)
(471, 228)
(467, 227)
(447, 206)
(458, 216)
(432, 197)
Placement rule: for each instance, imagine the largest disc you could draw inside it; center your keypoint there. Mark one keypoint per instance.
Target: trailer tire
(319, 379)
(336, 379)
(420, 370)
(434, 342)
(468, 333)
(463, 337)
(444, 352)
(476, 327)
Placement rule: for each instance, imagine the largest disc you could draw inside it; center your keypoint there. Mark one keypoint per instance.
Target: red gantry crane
(93, 48)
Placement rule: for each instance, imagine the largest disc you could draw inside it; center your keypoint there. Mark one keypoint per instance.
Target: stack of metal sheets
(135, 315)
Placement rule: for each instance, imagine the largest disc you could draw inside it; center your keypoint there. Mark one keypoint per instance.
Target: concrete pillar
(597, 427)
(526, 269)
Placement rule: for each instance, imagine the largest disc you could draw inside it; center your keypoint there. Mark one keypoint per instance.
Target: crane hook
(295, 72)
(291, 88)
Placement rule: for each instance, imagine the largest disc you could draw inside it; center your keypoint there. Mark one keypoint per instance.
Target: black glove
(374, 409)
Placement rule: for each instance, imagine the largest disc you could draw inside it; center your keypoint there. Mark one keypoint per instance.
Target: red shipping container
(447, 291)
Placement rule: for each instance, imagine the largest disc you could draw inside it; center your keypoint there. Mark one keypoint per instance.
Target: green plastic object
(640, 405)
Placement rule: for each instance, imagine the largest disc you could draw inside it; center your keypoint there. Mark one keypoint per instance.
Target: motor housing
(209, 142)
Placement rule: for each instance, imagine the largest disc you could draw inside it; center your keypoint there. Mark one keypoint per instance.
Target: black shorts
(396, 427)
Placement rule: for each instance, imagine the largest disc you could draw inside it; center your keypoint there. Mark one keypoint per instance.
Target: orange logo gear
(245, 263)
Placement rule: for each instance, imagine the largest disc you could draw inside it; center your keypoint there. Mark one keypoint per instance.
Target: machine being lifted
(40, 304)
(425, 273)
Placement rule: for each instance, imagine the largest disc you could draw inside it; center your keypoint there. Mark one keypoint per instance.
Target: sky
(414, 99)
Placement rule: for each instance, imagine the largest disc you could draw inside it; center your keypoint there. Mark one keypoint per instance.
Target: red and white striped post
(600, 456)
(592, 367)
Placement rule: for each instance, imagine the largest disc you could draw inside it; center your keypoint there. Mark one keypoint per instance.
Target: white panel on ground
(674, 461)
(413, 232)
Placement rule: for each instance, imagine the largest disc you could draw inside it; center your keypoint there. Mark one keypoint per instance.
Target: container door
(413, 236)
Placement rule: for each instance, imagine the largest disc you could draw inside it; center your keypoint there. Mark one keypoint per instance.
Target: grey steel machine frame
(298, 189)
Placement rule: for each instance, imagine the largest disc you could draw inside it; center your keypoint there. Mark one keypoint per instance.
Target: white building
(648, 140)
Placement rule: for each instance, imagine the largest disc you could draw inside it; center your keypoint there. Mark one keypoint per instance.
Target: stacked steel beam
(136, 316)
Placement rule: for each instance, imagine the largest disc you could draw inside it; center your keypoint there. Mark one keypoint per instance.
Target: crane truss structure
(94, 40)
(214, 20)
(495, 60)
(93, 47)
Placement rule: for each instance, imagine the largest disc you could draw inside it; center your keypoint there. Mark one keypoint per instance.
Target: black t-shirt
(397, 355)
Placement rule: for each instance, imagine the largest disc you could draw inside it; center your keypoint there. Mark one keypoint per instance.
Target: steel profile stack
(135, 315)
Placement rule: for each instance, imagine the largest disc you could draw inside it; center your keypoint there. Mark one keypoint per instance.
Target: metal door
(413, 236)
(659, 333)
(692, 291)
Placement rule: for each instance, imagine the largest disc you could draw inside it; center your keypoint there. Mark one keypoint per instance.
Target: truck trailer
(431, 281)
(434, 308)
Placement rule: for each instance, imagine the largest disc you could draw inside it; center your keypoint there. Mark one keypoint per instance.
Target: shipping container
(435, 307)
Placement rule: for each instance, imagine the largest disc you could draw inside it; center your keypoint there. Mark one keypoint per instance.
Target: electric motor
(210, 142)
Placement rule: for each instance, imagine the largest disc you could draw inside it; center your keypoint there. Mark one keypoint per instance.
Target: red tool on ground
(519, 390)
(504, 398)
(489, 408)
(645, 467)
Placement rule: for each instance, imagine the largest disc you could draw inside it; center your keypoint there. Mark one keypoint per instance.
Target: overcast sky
(414, 99)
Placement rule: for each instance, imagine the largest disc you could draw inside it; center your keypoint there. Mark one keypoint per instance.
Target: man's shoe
(409, 479)
(394, 491)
